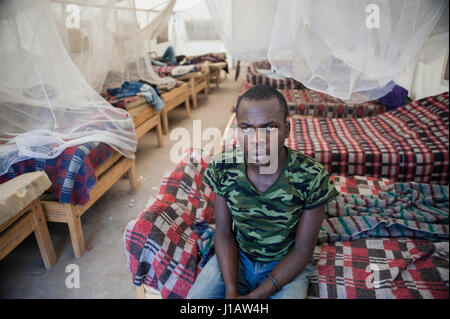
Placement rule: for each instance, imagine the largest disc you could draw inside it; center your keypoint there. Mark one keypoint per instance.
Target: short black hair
(264, 92)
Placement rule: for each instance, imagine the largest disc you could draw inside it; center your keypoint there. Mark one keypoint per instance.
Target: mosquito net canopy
(352, 50)
(108, 40)
(46, 105)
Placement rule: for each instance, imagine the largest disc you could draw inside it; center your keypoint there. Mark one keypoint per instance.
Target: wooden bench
(21, 214)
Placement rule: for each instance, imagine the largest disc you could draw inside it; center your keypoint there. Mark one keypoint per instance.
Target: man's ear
(287, 126)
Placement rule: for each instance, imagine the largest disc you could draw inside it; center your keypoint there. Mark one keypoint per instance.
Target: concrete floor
(102, 268)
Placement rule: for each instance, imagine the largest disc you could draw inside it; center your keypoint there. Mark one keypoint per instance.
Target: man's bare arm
(226, 247)
(295, 261)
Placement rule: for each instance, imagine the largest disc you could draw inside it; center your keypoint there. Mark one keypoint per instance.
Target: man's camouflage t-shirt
(265, 223)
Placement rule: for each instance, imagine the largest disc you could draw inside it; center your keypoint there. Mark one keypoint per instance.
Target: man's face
(260, 122)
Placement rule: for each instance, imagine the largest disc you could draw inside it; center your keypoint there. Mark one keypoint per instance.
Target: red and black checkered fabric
(317, 104)
(255, 77)
(161, 244)
(409, 143)
(380, 268)
(121, 102)
(307, 102)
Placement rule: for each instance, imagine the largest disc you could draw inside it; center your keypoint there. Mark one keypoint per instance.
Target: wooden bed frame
(215, 70)
(145, 118)
(172, 99)
(196, 82)
(107, 174)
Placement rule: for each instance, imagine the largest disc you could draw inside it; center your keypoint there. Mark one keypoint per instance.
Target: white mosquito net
(46, 105)
(352, 50)
(109, 40)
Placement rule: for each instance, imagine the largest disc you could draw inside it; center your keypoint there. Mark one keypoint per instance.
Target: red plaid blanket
(316, 104)
(360, 185)
(161, 245)
(406, 144)
(255, 77)
(384, 268)
(162, 252)
(71, 173)
(120, 103)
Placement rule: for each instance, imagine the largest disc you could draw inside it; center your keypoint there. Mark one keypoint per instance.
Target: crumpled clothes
(168, 84)
(205, 242)
(182, 70)
(395, 98)
(139, 88)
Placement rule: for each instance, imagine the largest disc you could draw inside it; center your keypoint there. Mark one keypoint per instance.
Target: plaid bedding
(311, 103)
(382, 268)
(368, 224)
(409, 143)
(161, 244)
(392, 245)
(71, 173)
(412, 210)
(166, 70)
(121, 102)
(360, 185)
(255, 77)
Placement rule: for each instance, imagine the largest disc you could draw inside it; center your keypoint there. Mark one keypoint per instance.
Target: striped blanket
(71, 173)
(411, 210)
(409, 143)
(256, 76)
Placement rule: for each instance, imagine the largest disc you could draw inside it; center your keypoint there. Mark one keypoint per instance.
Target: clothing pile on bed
(130, 91)
(379, 239)
(176, 70)
(211, 57)
(71, 173)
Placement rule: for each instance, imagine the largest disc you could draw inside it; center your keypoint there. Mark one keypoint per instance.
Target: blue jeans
(209, 283)
(169, 56)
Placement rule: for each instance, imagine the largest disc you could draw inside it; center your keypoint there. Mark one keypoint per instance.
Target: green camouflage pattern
(265, 223)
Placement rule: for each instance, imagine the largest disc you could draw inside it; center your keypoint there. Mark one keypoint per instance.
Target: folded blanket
(404, 210)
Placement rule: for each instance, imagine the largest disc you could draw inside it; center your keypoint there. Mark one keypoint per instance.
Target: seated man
(267, 220)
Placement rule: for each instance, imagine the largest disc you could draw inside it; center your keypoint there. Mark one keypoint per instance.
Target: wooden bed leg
(194, 95)
(159, 134)
(187, 105)
(217, 78)
(140, 292)
(42, 236)
(132, 176)
(76, 232)
(165, 121)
